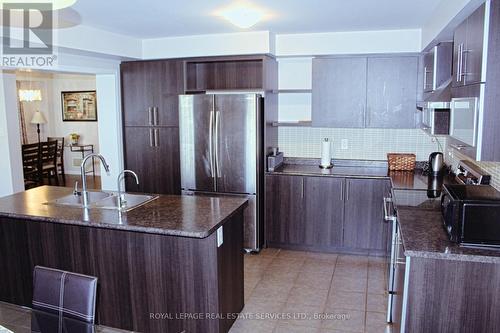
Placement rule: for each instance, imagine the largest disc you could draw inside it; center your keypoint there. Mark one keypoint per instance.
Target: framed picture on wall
(79, 105)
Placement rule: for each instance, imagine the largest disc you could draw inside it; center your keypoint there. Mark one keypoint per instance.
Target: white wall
(208, 45)
(88, 130)
(11, 166)
(388, 41)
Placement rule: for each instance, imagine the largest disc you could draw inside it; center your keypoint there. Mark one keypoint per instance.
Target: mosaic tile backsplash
(363, 144)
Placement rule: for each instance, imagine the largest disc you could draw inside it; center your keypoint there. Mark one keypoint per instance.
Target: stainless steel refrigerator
(221, 148)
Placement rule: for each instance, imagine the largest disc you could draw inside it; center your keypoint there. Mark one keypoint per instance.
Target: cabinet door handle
(425, 78)
(157, 138)
(460, 62)
(151, 138)
(302, 188)
(342, 191)
(347, 190)
(150, 116)
(155, 115)
(387, 217)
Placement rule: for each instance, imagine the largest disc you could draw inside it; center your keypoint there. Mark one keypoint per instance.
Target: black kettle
(436, 163)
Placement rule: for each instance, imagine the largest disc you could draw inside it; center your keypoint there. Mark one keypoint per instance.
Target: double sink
(104, 200)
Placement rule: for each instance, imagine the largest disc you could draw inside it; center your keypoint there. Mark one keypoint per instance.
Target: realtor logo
(36, 25)
(27, 34)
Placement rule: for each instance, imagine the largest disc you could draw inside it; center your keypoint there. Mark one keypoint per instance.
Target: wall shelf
(302, 123)
(294, 91)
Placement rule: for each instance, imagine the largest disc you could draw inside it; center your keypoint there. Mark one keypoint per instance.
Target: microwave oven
(436, 121)
(471, 214)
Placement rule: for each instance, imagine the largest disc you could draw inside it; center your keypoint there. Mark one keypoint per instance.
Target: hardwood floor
(93, 183)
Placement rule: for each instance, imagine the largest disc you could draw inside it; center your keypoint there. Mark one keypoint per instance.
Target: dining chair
(48, 160)
(60, 155)
(31, 165)
(64, 293)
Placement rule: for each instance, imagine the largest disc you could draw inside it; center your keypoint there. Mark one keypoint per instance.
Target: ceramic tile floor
(285, 291)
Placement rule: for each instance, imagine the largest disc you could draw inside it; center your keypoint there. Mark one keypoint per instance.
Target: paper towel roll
(326, 156)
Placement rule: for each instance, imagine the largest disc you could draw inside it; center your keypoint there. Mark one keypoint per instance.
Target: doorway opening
(58, 111)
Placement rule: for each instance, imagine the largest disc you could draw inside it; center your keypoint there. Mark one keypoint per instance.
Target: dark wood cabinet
(326, 213)
(339, 92)
(284, 210)
(231, 73)
(365, 92)
(364, 225)
(468, 49)
(392, 92)
(153, 153)
(150, 92)
(429, 71)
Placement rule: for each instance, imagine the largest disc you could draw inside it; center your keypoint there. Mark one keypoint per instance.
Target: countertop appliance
(471, 214)
(436, 163)
(221, 150)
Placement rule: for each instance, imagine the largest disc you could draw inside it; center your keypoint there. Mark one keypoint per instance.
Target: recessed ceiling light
(56, 4)
(242, 15)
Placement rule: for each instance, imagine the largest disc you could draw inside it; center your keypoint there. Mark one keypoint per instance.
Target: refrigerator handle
(211, 143)
(217, 113)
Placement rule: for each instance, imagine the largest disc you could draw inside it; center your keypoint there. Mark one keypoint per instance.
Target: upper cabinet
(429, 71)
(364, 92)
(339, 92)
(233, 73)
(468, 49)
(437, 66)
(149, 92)
(392, 92)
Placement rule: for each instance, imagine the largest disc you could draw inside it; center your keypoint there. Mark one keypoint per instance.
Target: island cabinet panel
(452, 296)
(326, 214)
(153, 153)
(146, 282)
(364, 225)
(392, 92)
(339, 92)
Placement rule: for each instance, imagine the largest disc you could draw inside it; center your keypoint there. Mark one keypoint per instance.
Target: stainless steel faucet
(85, 194)
(121, 195)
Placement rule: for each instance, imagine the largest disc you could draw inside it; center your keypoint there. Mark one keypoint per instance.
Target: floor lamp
(38, 119)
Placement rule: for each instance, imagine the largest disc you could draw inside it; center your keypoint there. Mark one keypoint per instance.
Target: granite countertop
(175, 215)
(342, 168)
(424, 236)
(404, 180)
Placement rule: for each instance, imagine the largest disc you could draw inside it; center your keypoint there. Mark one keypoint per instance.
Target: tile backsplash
(453, 156)
(363, 144)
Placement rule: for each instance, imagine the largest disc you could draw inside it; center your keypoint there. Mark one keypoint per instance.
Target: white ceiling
(165, 18)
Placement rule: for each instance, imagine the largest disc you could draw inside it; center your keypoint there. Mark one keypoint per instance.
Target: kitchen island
(174, 264)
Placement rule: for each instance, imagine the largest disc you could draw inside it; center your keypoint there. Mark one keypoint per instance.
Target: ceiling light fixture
(56, 4)
(30, 95)
(242, 15)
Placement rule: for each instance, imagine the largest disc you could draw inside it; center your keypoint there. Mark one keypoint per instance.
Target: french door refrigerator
(221, 148)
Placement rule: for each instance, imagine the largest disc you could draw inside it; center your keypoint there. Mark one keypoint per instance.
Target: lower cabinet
(325, 213)
(364, 225)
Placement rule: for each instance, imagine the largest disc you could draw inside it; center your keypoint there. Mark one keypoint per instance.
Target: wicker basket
(401, 162)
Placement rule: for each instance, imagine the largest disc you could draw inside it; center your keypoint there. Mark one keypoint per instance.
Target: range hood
(438, 99)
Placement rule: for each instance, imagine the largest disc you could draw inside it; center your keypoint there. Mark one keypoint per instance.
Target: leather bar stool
(65, 294)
